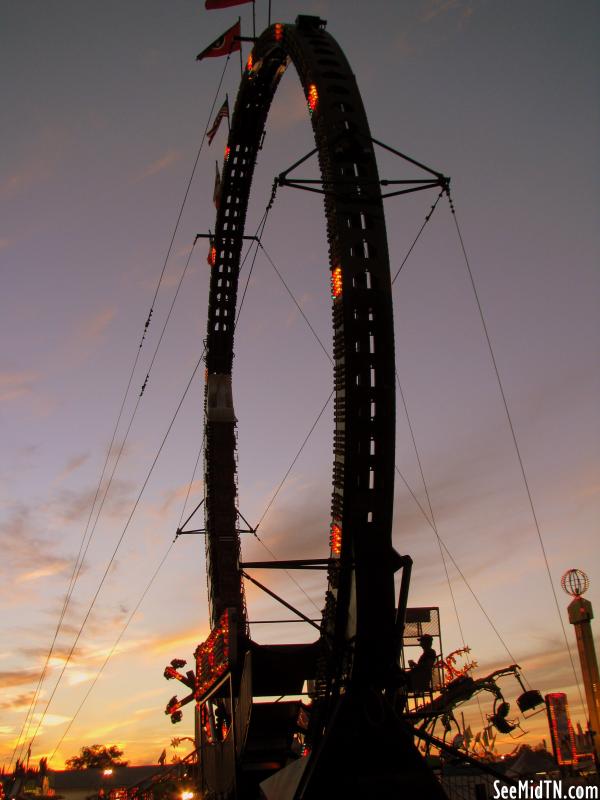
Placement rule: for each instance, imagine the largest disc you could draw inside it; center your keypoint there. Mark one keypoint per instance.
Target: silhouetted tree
(97, 756)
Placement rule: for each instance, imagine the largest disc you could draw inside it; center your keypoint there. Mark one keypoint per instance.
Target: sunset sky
(104, 107)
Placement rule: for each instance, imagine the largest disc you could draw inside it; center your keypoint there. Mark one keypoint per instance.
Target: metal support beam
(190, 516)
(283, 175)
(276, 621)
(415, 185)
(281, 600)
(181, 532)
(202, 531)
(406, 565)
(212, 236)
(410, 160)
(187, 533)
(300, 563)
(239, 513)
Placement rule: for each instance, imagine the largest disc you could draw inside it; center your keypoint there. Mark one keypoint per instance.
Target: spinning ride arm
(462, 689)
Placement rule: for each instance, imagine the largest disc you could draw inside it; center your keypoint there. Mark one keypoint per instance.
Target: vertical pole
(197, 728)
(402, 603)
(197, 744)
(241, 60)
(233, 741)
(580, 616)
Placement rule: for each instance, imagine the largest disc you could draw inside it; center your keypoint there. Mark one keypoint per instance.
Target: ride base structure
(354, 737)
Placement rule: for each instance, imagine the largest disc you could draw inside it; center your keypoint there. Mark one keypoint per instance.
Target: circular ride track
(357, 649)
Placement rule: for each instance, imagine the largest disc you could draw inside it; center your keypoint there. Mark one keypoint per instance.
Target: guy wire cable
(133, 613)
(515, 443)
(79, 562)
(124, 531)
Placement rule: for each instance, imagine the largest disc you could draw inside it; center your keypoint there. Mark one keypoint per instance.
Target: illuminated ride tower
(576, 583)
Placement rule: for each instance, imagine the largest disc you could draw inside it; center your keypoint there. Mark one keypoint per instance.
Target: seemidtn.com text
(546, 789)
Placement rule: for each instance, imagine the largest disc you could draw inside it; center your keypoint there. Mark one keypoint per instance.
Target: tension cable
(515, 442)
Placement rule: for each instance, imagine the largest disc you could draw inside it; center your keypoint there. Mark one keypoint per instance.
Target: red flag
(223, 113)
(210, 5)
(224, 45)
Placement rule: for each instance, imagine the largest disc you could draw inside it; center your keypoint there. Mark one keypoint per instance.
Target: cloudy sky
(104, 110)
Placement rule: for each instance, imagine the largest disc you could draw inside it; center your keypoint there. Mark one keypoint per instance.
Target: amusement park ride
(357, 736)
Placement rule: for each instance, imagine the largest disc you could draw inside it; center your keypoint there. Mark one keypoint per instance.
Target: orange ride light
(313, 98)
(336, 282)
(335, 538)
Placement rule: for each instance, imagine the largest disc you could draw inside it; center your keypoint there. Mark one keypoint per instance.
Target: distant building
(87, 784)
(91, 784)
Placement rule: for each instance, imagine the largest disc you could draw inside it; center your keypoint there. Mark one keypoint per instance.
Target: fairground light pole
(576, 583)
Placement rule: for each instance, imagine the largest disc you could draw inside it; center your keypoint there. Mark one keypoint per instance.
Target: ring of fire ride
(357, 745)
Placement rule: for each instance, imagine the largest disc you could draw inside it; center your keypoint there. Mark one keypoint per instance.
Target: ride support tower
(357, 743)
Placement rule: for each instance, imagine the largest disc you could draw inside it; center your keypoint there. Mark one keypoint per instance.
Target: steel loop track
(359, 610)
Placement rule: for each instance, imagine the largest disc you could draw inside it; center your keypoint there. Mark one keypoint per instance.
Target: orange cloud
(18, 703)
(14, 385)
(25, 177)
(40, 164)
(94, 326)
(436, 8)
(85, 335)
(184, 641)
(17, 677)
(72, 465)
(169, 158)
(289, 110)
(179, 493)
(42, 572)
